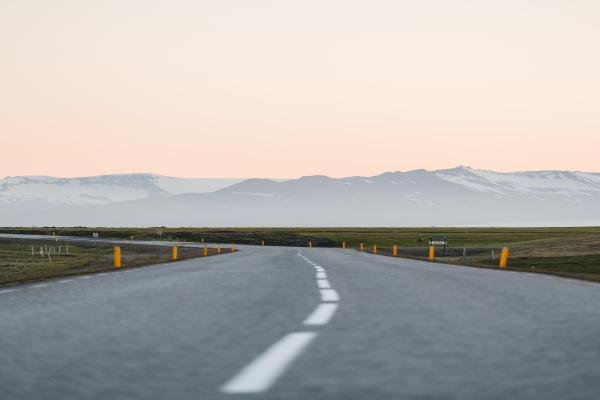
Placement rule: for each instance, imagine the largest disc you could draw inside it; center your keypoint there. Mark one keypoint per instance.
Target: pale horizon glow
(282, 89)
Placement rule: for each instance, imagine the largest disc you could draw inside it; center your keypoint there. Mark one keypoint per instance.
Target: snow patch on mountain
(556, 182)
(46, 191)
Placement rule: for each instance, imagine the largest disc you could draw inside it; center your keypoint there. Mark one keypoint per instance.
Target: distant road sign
(438, 240)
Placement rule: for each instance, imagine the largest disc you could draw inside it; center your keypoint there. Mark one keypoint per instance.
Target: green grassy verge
(571, 251)
(18, 264)
(406, 237)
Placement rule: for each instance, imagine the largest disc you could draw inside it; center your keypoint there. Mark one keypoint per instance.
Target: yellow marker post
(205, 250)
(174, 253)
(395, 251)
(362, 246)
(218, 248)
(374, 249)
(117, 257)
(343, 245)
(431, 253)
(232, 248)
(504, 257)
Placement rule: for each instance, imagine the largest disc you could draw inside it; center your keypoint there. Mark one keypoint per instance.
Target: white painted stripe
(319, 269)
(7, 290)
(321, 275)
(86, 277)
(39, 286)
(329, 295)
(261, 373)
(322, 314)
(66, 281)
(323, 284)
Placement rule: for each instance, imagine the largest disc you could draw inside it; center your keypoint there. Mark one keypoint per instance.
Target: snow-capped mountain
(43, 192)
(459, 196)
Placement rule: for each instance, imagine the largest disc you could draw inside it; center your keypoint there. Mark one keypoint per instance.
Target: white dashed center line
(322, 314)
(329, 295)
(323, 284)
(261, 373)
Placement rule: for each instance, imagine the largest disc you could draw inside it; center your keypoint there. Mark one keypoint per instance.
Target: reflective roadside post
(504, 257)
(117, 257)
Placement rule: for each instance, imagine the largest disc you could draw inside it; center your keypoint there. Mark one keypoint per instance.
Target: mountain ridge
(454, 196)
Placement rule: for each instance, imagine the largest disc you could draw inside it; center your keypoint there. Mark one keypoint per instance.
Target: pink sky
(287, 88)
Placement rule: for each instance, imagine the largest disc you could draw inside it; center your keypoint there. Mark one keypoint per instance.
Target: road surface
(287, 323)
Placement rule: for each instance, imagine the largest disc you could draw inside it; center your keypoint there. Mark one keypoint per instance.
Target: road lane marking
(321, 275)
(65, 281)
(7, 290)
(322, 314)
(86, 277)
(261, 373)
(329, 295)
(323, 284)
(41, 285)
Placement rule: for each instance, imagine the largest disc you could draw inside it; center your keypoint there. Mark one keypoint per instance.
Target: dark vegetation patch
(53, 258)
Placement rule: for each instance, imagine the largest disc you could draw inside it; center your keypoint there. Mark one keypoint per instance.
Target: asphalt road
(286, 323)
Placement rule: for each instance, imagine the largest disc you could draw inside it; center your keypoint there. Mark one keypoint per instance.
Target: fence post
(395, 251)
(262, 243)
(310, 243)
(431, 253)
(117, 257)
(504, 257)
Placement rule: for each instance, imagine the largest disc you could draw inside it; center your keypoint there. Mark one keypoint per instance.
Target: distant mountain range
(460, 196)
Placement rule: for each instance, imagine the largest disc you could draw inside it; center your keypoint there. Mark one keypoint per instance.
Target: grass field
(18, 264)
(572, 252)
(330, 237)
